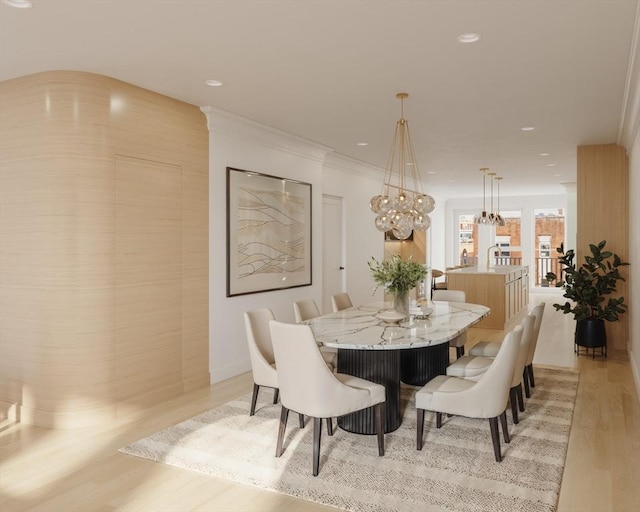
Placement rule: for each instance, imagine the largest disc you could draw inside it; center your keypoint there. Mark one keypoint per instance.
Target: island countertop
(498, 269)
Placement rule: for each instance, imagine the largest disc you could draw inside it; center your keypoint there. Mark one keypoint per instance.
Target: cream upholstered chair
(486, 398)
(341, 301)
(307, 309)
(473, 367)
(490, 349)
(529, 381)
(453, 296)
(261, 354)
(308, 387)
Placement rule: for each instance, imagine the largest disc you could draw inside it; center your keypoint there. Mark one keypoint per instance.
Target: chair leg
(514, 405)
(301, 420)
(525, 380)
(505, 429)
(284, 414)
(520, 397)
(317, 432)
(276, 395)
(495, 438)
(379, 412)
(532, 381)
(254, 399)
(420, 428)
(459, 352)
(438, 419)
(330, 426)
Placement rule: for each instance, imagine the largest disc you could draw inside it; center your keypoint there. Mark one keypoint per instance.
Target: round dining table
(413, 350)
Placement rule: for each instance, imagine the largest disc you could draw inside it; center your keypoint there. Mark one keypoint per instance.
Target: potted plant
(398, 276)
(587, 287)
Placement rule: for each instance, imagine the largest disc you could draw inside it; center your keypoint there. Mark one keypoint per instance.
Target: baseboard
(230, 370)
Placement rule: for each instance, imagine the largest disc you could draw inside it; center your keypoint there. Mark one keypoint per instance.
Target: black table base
(419, 365)
(381, 367)
(414, 366)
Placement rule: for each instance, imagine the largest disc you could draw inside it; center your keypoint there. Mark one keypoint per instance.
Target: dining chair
(528, 378)
(308, 387)
(490, 349)
(473, 367)
(261, 355)
(341, 301)
(486, 398)
(307, 309)
(453, 296)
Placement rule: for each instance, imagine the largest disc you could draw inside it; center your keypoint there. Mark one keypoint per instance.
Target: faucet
(489, 252)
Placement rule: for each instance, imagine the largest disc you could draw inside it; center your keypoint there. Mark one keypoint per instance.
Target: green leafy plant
(397, 275)
(588, 285)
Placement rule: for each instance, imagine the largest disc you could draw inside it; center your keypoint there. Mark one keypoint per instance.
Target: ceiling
(329, 71)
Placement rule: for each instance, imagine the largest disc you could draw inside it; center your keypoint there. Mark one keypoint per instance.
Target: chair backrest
(538, 312)
(527, 325)
(341, 301)
(305, 309)
(260, 347)
(449, 295)
(493, 387)
(307, 385)
(489, 396)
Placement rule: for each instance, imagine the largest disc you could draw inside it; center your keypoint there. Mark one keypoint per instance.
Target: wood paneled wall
(603, 214)
(104, 248)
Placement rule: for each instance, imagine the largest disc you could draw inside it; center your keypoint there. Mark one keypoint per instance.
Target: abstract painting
(268, 232)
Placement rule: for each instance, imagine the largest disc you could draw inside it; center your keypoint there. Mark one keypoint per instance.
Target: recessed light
(468, 38)
(544, 154)
(432, 172)
(551, 165)
(213, 83)
(528, 128)
(19, 4)
(557, 175)
(362, 144)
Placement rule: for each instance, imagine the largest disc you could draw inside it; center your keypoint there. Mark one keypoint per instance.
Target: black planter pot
(591, 334)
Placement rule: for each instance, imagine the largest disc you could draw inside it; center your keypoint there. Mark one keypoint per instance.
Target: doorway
(333, 235)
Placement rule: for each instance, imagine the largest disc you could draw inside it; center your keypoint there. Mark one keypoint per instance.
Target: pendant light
(483, 218)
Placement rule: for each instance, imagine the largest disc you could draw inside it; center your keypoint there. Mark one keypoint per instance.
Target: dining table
(412, 350)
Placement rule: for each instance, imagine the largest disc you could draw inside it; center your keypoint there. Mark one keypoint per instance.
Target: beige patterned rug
(455, 471)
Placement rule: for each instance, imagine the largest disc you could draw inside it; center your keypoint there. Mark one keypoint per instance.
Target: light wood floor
(81, 470)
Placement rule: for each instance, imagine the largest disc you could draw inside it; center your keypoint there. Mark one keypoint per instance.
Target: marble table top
(360, 328)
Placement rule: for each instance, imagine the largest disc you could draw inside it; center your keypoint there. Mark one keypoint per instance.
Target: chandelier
(399, 208)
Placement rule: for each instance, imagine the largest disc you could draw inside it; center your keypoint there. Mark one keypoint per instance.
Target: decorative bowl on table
(391, 317)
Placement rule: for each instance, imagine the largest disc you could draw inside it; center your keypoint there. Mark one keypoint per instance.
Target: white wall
(629, 137)
(634, 258)
(244, 144)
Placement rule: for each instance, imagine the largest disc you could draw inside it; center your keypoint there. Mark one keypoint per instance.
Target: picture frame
(268, 233)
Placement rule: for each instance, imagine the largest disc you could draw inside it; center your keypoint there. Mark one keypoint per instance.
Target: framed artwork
(268, 233)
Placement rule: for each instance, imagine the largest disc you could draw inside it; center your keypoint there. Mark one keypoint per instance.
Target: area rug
(455, 471)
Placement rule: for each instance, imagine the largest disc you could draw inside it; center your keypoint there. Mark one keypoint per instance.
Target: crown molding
(233, 125)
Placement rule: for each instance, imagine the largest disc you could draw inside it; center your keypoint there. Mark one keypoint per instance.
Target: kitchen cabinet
(504, 289)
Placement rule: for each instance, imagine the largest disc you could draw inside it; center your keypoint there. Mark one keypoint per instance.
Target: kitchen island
(503, 288)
